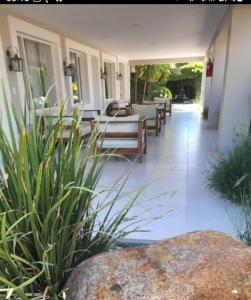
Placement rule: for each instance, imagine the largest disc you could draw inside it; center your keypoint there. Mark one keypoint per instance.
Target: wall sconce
(16, 63)
(68, 69)
(103, 75)
(119, 76)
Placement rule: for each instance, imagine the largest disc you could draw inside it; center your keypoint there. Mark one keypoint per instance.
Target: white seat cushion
(119, 103)
(117, 143)
(117, 124)
(145, 110)
(87, 113)
(151, 122)
(85, 128)
(162, 100)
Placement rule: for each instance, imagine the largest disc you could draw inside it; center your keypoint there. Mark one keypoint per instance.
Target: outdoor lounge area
(125, 152)
(174, 176)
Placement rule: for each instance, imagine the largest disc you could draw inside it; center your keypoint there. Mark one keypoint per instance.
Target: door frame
(4, 77)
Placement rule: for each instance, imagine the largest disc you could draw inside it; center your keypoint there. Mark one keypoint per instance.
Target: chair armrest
(90, 117)
(97, 110)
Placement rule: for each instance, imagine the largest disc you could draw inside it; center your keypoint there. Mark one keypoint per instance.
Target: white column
(203, 82)
(220, 50)
(208, 81)
(235, 112)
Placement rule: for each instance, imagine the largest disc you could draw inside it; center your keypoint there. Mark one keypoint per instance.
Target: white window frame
(73, 46)
(110, 59)
(126, 77)
(80, 79)
(4, 76)
(27, 30)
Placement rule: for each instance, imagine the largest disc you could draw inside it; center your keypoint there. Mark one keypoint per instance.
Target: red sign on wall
(210, 66)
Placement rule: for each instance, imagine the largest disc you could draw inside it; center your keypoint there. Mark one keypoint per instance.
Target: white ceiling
(135, 31)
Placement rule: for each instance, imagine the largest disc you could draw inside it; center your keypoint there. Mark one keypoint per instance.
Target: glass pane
(39, 73)
(109, 80)
(76, 80)
(95, 80)
(84, 76)
(122, 82)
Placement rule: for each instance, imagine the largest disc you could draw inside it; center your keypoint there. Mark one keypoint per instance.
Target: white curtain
(95, 80)
(84, 76)
(40, 72)
(109, 81)
(122, 82)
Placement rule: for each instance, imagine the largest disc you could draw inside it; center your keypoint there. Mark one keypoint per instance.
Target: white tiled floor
(174, 172)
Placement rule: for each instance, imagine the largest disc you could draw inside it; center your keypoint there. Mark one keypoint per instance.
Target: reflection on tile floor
(174, 173)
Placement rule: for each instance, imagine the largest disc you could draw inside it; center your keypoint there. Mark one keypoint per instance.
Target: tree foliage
(155, 78)
(187, 71)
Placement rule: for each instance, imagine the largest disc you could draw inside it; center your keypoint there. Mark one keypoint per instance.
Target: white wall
(34, 28)
(235, 112)
(217, 85)
(4, 89)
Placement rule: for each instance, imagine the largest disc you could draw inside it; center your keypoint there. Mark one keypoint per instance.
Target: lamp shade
(103, 74)
(68, 69)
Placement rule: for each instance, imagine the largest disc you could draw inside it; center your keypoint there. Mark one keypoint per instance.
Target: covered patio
(61, 211)
(173, 170)
(174, 176)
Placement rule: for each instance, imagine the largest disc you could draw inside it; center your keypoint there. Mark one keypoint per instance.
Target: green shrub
(230, 175)
(50, 208)
(156, 90)
(165, 92)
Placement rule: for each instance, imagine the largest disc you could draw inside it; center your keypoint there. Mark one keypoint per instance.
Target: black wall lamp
(16, 63)
(68, 69)
(119, 76)
(103, 74)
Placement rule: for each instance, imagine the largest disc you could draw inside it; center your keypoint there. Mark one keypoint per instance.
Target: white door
(3, 83)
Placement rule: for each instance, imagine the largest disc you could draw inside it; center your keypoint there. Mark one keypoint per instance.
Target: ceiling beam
(165, 60)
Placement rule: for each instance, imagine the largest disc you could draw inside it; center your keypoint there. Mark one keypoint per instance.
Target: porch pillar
(235, 111)
(220, 51)
(208, 81)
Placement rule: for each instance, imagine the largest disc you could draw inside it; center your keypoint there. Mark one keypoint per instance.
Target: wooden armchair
(84, 126)
(167, 101)
(162, 109)
(121, 135)
(152, 113)
(118, 108)
(87, 115)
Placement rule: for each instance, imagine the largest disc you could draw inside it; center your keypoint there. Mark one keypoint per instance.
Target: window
(76, 78)
(38, 73)
(122, 82)
(96, 80)
(80, 81)
(110, 80)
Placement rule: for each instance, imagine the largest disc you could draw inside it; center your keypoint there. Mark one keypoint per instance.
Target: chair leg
(140, 158)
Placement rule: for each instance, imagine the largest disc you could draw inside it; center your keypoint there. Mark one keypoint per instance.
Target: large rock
(198, 265)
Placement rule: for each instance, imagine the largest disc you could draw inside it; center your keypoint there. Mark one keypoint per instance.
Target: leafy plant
(165, 92)
(230, 175)
(52, 213)
(149, 74)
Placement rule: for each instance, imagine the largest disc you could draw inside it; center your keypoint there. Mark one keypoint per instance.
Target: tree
(148, 73)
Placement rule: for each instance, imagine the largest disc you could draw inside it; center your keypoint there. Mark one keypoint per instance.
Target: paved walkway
(174, 173)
